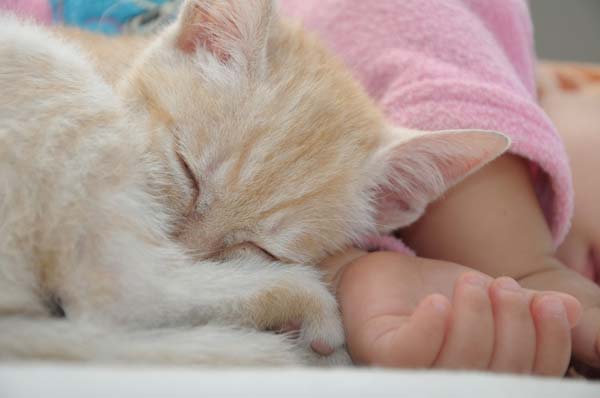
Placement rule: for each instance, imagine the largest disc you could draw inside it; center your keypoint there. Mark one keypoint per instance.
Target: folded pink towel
(451, 64)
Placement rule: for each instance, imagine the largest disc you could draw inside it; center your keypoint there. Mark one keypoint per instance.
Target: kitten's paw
(303, 300)
(338, 358)
(322, 332)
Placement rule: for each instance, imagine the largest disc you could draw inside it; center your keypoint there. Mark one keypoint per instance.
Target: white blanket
(64, 381)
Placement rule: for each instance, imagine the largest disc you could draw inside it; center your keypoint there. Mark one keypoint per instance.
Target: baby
(458, 64)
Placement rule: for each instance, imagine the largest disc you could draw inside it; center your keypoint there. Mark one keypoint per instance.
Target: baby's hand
(411, 312)
(586, 335)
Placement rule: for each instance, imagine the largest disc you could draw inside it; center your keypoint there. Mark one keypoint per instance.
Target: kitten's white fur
(87, 199)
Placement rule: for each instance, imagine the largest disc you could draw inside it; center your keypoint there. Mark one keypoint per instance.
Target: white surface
(76, 381)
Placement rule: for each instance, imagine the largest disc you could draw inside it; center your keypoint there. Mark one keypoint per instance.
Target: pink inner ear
(388, 200)
(395, 203)
(457, 169)
(200, 29)
(424, 167)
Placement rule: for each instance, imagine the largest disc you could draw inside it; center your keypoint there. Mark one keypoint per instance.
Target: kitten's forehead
(300, 148)
(306, 112)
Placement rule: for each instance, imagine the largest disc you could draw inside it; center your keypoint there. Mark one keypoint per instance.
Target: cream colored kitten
(173, 217)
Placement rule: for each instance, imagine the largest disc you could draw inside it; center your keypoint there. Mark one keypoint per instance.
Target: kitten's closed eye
(191, 177)
(246, 248)
(266, 252)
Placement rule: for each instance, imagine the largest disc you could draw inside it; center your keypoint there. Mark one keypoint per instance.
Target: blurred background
(567, 29)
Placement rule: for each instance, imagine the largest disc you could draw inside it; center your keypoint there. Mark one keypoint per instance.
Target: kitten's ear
(225, 28)
(419, 167)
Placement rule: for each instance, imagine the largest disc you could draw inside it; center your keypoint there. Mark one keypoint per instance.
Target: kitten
(173, 218)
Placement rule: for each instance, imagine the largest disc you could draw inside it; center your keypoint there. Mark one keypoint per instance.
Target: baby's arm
(492, 222)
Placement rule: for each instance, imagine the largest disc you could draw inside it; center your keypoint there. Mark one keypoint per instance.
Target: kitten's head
(270, 144)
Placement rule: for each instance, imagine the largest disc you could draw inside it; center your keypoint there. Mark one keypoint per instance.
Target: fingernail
(508, 284)
(552, 306)
(476, 280)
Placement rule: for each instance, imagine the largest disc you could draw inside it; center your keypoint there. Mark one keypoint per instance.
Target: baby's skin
(418, 312)
(578, 120)
(411, 312)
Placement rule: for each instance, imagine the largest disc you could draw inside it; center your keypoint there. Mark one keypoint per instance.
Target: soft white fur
(86, 200)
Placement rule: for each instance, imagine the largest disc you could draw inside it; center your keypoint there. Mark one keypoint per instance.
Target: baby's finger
(586, 337)
(570, 303)
(406, 342)
(553, 336)
(514, 350)
(470, 340)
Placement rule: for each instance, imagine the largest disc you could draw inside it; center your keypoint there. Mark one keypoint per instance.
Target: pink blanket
(39, 10)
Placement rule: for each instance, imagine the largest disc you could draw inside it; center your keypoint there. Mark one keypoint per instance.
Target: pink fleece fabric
(450, 64)
(40, 10)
